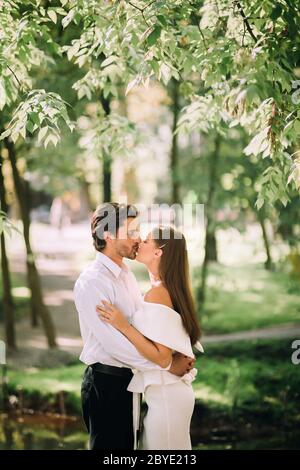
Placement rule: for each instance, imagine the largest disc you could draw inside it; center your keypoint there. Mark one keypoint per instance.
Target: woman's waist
(142, 379)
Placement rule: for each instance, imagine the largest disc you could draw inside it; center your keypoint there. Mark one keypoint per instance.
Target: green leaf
(259, 203)
(51, 138)
(42, 133)
(258, 143)
(109, 60)
(5, 134)
(297, 126)
(14, 136)
(276, 12)
(34, 117)
(2, 95)
(30, 127)
(162, 20)
(23, 132)
(131, 85)
(154, 35)
(52, 15)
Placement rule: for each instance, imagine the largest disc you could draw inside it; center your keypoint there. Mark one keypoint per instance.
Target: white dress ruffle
(163, 325)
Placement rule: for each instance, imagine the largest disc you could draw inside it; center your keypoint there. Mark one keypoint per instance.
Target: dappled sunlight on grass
(49, 380)
(208, 395)
(248, 297)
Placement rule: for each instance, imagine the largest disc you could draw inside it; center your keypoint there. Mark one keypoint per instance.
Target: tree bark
(212, 252)
(262, 221)
(209, 208)
(38, 308)
(174, 149)
(85, 187)
(8, 305)
(106, 159)
(106, 177)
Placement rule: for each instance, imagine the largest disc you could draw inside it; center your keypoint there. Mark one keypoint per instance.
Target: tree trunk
(262, 221)
(85, 187)
(174, 149)
(209, 208)
(212, 253)
(106, 159)
(106, 177)
(38, 308)
(8, 305)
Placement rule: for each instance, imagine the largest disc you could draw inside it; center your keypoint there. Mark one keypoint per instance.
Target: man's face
(128, 239)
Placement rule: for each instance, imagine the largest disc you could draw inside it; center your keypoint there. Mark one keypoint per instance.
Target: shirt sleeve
(89, 293)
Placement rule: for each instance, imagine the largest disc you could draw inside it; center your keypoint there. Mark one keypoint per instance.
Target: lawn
(248, 297)
(253, 376)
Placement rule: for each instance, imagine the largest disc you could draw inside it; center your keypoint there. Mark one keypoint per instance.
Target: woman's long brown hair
(174, 275)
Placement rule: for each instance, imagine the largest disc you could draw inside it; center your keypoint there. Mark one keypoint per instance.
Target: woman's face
(148, 250)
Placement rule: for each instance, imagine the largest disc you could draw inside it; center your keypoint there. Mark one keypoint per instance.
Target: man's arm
(87, 294)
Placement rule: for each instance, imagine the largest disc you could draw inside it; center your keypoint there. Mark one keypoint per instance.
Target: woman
(166, 323)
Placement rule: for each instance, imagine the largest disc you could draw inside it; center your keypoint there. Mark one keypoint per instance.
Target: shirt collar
(110, 264)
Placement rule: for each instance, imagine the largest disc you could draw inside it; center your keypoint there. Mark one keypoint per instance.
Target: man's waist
(111, 370)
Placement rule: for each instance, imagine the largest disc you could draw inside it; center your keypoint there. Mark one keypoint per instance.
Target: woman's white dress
(170, 398)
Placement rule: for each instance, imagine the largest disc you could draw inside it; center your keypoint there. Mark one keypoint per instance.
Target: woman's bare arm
(154, 352)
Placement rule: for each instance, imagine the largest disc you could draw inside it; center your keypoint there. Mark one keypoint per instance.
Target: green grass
(251, 376)
(248, 297)
(40, 387)
(48, 380)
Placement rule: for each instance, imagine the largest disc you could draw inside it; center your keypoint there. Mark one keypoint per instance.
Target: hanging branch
(14, 75)
(202, 35)
(141, 10)
(246, 22)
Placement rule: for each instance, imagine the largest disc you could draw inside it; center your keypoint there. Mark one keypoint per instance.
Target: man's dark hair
(109, 216)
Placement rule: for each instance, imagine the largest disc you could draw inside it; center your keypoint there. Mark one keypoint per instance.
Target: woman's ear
(158, 252)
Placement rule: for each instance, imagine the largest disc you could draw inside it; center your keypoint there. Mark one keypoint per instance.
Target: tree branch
(246, 22)
(141, 10)
(202, 35)
(14, 75)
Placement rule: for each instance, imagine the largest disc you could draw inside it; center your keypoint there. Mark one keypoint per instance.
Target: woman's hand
(112, 315)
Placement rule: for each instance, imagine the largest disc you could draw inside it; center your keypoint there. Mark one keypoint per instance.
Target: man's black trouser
(107, 407)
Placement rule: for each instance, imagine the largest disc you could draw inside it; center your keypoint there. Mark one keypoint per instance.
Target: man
(106, 404)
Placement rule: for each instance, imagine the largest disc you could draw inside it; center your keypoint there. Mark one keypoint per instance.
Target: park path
(290, 330)
(61, 255)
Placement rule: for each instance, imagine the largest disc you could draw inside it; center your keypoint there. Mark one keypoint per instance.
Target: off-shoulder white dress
(170, 398)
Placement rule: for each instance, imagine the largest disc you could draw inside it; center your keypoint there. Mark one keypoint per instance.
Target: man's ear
(108, 236)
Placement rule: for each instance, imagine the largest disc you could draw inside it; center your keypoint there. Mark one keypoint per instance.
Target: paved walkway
(281, 331)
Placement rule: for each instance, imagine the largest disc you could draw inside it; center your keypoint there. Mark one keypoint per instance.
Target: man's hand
(181, 364)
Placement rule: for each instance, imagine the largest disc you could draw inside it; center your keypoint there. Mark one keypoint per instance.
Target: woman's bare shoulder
(159, 295)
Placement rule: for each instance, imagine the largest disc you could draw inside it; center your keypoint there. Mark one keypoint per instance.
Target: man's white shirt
(105, 280)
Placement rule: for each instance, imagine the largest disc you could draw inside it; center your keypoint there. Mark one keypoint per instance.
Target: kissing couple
(136, 346)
